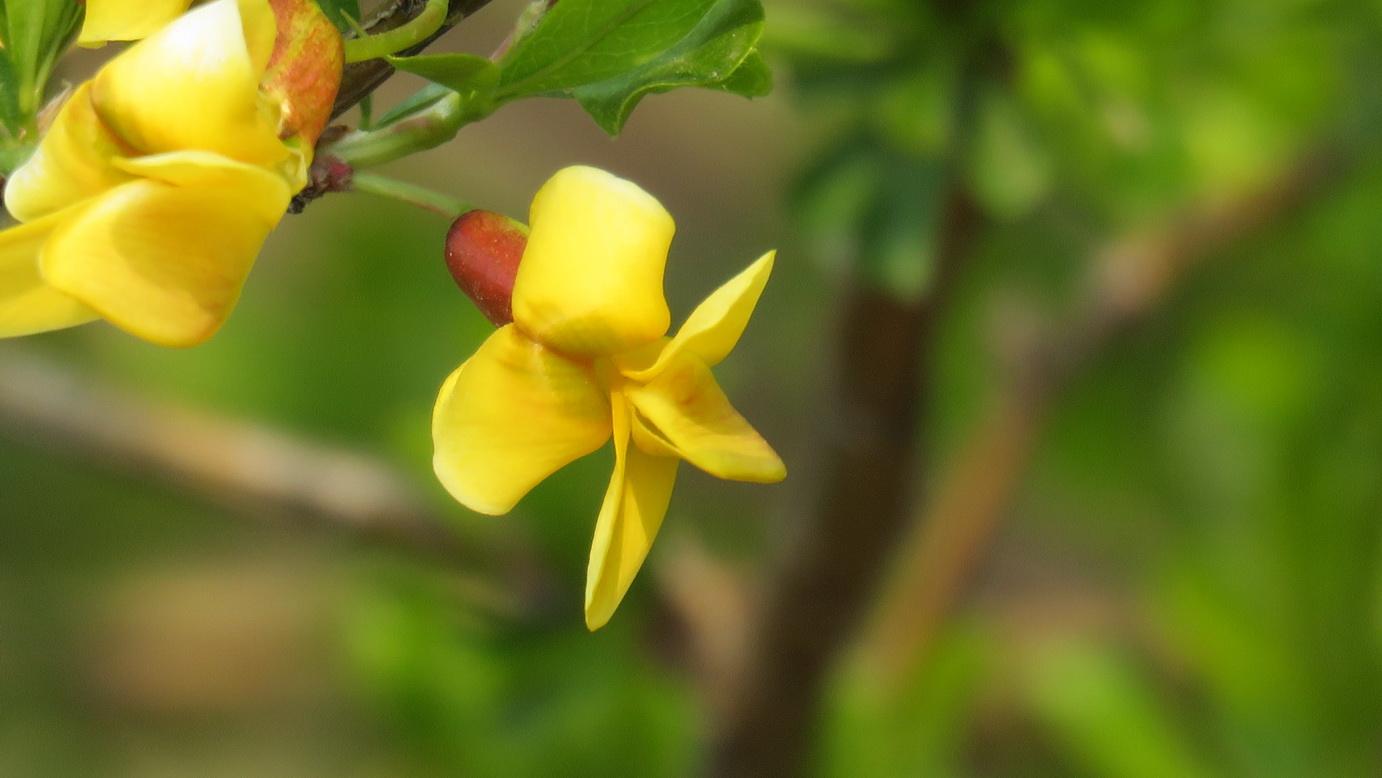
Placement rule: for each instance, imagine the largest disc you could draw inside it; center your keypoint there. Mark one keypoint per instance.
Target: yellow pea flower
(126, 20)
(586, 358)
(150, 196)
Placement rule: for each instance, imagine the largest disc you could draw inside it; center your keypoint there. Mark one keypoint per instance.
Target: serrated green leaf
(473, 78)
(609, 54)
(341, 12)
(753, 78)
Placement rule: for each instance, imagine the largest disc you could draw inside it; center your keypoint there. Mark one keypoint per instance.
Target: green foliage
(473, 78)
(610, 55)
(874, 210)
(1109, 715)
(33, 33)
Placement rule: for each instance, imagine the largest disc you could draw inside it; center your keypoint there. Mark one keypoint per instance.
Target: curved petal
(126, 20)
(686, 408)
(164, 262)
(264, 193)
(73, 162)
(512, 415)
(195, 85)
(27, 303)
(590, 281)
(714, 328)
(635, 504)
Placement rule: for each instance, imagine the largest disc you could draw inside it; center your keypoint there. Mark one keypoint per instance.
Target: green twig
(398, 39)
(427, 129)
(412, 194)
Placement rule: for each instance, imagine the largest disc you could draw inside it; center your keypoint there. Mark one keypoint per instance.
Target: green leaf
(10, 117)
(609, 54)
(341, 13)
(873, 213)
(753, 78)
(418, 101)
(33, 34)
(473, 78)
(1008, 169)
(1108, 716)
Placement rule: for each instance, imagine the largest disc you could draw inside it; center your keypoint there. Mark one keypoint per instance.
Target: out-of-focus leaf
(916, 114)
(916, 726)
(473, 78)
(609, 54)
(1009, 170)
(1108, 717)
(341, 12)
(830, 199)
(872, 211)
(899, 230)
(805, 33)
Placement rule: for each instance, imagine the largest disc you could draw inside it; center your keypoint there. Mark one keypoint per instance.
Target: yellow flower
(586, 358)
(126, 20)
(150, 196)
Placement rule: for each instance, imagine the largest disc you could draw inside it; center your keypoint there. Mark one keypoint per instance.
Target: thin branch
(1128, 281)
(362, 78)
(826, 580)
(252, 470)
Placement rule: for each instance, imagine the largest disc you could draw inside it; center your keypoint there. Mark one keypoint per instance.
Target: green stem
(386, 43)
(412, 194)
(427, 129)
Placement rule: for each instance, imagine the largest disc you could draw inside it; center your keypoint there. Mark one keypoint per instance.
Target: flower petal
(73, 162)
(635, 504)
(590, 282)
(265, 193)
(195, 85)
(126, 20)
(714, 328)
(163, 262)
(686, 408)
(512, 415)
(27, 303)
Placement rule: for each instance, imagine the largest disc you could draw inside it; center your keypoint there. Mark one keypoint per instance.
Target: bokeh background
(1073, 349)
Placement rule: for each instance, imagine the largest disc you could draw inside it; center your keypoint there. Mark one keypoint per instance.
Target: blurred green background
(1187, 581)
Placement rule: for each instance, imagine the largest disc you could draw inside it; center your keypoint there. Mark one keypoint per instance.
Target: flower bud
(483, 250)
(305, 68)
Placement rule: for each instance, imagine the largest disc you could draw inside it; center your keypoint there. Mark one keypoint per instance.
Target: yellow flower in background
(126, 20)
(150, 196)
(586, 358)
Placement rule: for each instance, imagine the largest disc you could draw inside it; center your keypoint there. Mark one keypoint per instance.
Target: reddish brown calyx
(305, 68)
(483, 250)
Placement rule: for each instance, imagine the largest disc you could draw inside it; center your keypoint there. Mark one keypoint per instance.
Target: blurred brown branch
(250, 469)
(1127, 282)
(827, 578)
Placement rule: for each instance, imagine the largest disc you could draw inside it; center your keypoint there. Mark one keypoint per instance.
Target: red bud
(305, 67)
(483, 250)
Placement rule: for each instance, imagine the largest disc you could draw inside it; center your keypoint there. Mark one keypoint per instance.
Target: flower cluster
(154, 187)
